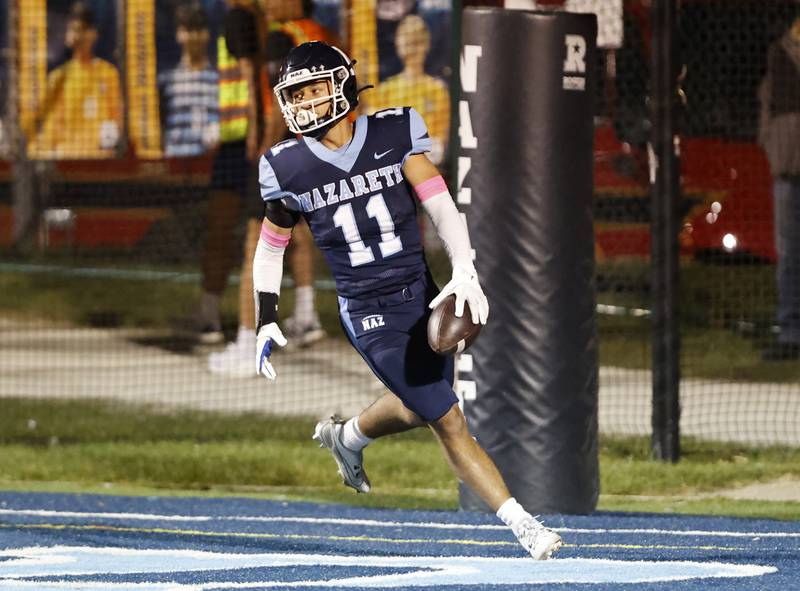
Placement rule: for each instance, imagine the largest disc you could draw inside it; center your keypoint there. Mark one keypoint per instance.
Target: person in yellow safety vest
(233, 187)
(238, 50)
(289, 25)
(81, 115)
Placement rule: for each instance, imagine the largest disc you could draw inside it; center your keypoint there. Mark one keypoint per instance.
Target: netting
(738, 328)
(127, 205)
(739, 378)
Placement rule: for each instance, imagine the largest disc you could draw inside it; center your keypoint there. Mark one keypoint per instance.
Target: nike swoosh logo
(382, 154)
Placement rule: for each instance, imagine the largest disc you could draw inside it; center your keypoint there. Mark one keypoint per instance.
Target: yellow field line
(192, 532)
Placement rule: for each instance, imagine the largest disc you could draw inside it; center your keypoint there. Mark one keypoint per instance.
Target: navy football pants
(390, 333)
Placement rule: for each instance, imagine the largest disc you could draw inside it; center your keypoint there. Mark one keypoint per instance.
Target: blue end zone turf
(52, 542)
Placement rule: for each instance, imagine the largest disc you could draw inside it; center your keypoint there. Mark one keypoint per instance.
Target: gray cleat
(350, 463)
(539, 541)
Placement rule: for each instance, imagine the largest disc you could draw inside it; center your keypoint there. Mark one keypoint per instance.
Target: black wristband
(267, 309)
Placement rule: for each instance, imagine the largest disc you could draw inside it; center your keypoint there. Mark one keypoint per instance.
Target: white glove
(465, 286)
(268, 335)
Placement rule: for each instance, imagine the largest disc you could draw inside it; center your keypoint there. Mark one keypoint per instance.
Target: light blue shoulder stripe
(345, 157)
(420, 139)
(270, 186)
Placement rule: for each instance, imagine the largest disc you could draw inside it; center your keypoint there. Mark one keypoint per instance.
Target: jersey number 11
(360, 253)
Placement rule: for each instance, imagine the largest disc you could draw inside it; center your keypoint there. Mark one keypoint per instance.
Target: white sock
(352, 437)
(209, 308)
(512, 513)
(246, 336)
(304, 304)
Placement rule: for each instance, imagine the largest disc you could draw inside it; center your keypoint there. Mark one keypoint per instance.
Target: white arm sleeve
(451, 229)
(267, 275)
(268, 268)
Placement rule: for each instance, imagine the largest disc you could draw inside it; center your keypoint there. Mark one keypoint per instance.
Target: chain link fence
(118, 282)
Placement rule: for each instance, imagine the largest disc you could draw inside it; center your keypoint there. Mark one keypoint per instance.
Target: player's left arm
(435, 198)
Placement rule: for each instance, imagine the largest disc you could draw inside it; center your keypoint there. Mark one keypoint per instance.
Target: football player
(357, 184)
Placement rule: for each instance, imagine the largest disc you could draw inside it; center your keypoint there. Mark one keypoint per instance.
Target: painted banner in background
(72, 106)
(79, 114)
(5, 57)
(403, 49)
(363, 41)
(32, 62)
(144, 128)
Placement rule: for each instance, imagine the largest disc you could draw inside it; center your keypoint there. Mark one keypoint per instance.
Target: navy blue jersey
(359, 206)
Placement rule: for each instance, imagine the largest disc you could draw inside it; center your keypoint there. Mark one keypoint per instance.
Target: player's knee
(451, 425)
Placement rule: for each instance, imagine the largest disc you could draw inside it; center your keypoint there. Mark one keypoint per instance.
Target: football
(447, 333)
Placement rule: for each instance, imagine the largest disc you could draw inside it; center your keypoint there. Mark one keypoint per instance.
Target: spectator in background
(779, 133)
(189, 93)
(233, 185)
(413, 87)
(81, 115)
(289, 25)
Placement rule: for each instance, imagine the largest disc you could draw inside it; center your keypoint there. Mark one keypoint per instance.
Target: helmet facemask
(302, 117)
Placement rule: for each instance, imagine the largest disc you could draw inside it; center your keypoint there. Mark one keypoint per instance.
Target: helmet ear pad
(350, 87)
